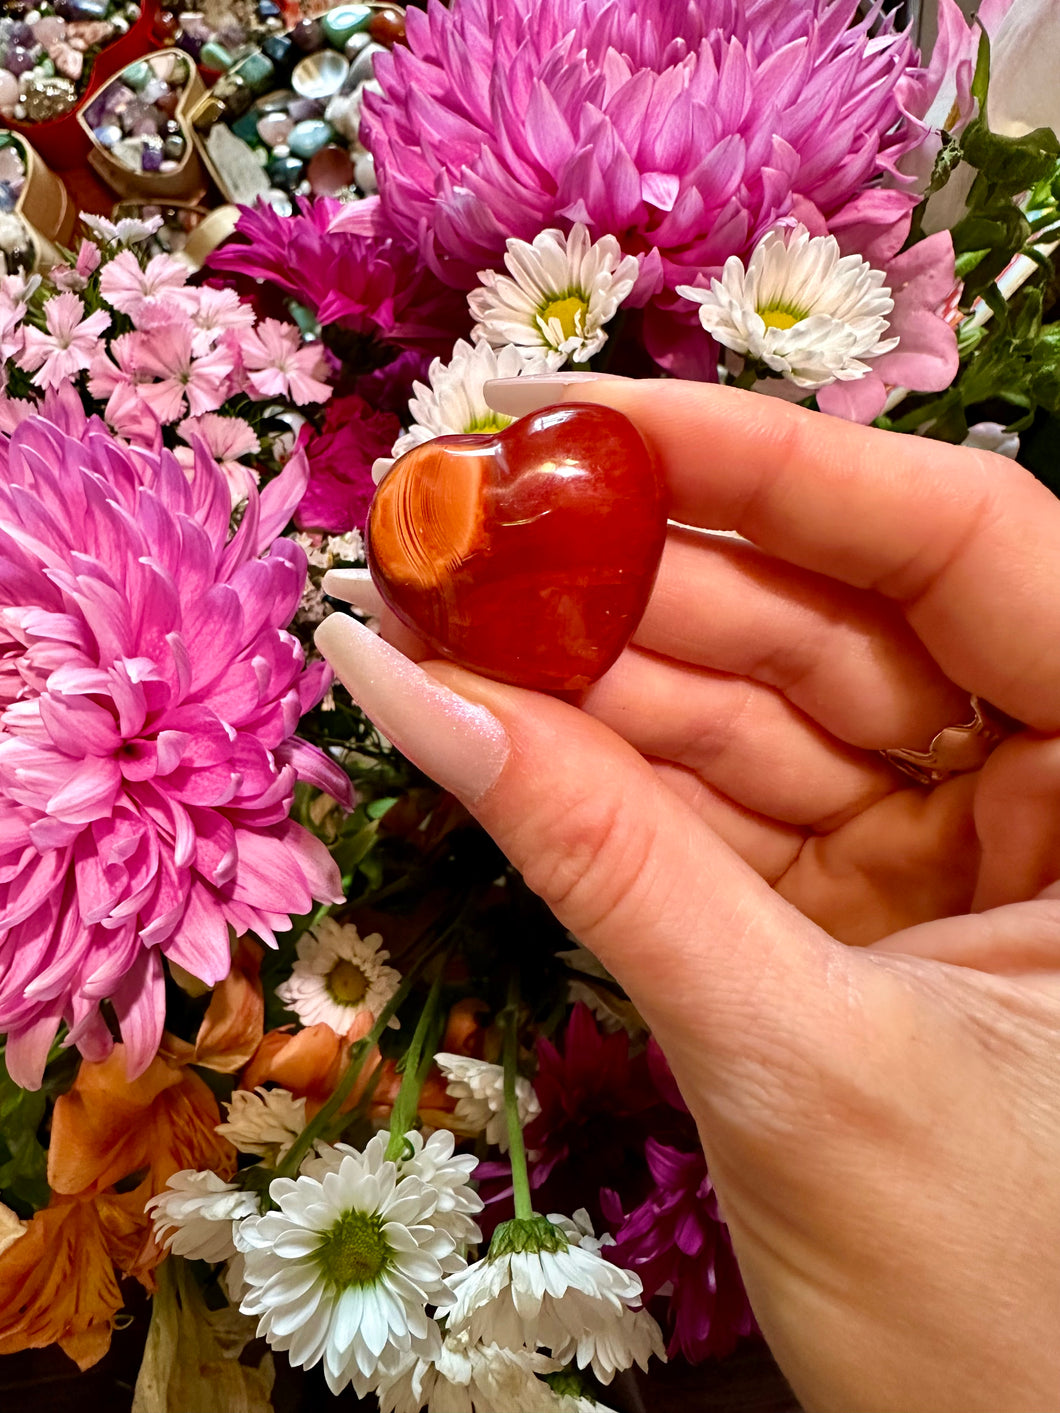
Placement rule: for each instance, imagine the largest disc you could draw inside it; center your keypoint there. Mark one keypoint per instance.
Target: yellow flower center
(493, 423)
(779, 318)
(567, 311)
(347, 983)
(354, 1251)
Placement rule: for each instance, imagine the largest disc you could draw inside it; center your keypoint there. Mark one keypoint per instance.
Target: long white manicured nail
(354, 586)
(461, 745)
(515, 397)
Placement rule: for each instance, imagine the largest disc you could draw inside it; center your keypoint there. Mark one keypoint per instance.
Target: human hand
(882, 1122)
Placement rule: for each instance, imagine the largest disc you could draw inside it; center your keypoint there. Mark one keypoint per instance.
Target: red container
(63, 142)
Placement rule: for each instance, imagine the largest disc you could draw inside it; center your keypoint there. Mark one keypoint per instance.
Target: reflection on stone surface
(527, 554)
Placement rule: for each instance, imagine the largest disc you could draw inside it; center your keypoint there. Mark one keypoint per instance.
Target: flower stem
(524, 1206)
(418, 1059)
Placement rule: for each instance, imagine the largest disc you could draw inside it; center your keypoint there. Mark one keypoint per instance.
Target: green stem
(524, 1206)
(403, 1114)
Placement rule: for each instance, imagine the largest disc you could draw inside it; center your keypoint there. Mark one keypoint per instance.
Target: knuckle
(589, 856)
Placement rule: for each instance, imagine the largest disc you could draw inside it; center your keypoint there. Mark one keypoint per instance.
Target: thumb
(730, 975)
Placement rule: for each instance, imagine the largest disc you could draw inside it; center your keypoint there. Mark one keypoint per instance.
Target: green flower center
(778, 317)
(354, 1251)
(346, 983)
(494, 422)
(571, 312)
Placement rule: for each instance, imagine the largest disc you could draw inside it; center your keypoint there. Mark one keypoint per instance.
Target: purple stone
(151, 155)
(19, 59)
(301, 108)
(21, 34)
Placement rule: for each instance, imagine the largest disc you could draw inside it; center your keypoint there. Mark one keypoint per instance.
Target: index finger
(968, 543)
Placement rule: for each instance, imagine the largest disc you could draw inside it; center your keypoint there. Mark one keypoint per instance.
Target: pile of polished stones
(134, 116)
(46, 52)
(295, 102)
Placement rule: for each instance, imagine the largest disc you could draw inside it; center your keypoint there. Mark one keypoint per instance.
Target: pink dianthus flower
(149, 694)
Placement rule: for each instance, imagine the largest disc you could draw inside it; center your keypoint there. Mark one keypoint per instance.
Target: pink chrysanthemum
(683, 127)
(148, 698)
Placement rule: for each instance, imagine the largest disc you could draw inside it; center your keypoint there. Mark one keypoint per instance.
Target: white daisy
(263, 1121)
(800, 308)
(454, 403)
(434, 1163)
(469, 1378)
(562, 291)
(344, 1270)
(543, 1286)
(201, 1211)
(339, 978)
(478, 1088)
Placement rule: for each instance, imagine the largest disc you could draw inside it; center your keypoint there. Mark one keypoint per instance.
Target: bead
(273, 128)
(285, 172)
(364, 173)
(256, 70)
(363, 67)
(136, 76)
(215, 56)
(308, 35)
(527, 554)
(330, 171)
(8, 90)
(388, 27)
(320, 75)
(279, 48)
(342, 21)
(307, 138)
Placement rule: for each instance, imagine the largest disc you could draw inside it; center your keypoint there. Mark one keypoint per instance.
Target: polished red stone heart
(527, 554)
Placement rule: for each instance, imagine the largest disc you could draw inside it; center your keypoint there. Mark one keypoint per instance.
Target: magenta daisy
(68, 345)
(685, 130)
(149, 692)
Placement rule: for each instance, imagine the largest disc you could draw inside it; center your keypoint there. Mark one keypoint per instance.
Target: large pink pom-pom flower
(685, 128)
(148, 698)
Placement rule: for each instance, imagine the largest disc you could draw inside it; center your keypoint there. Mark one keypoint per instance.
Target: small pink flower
(75, 277)
(215, 311)
(11, 337)
(132, 418)
(278, 366)
(69, 344)
(226, 439)
(167, 358)
(150, 295)
(14, 410)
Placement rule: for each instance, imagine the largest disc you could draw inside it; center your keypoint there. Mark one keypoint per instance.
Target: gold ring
(956, 750)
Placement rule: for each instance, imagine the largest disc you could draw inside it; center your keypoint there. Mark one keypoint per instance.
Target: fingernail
(459, 744)
(354, 586)
(515, 397)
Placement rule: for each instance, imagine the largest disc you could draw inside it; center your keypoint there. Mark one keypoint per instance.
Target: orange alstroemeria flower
(234, 1022)
(57, 1284)
(309, 1063)
(108, 1126)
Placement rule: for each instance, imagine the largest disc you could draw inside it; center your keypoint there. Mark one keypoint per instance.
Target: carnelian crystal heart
(526, 554)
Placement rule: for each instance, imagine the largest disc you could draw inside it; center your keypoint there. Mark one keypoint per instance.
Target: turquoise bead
(215, 56)
(308, 137)
(256, 70)
(344, 20)
(136, 75)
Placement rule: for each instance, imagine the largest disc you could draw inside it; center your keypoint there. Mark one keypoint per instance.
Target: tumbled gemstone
(526, 554)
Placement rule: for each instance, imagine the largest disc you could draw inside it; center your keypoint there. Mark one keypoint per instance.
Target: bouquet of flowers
(288, 1042)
